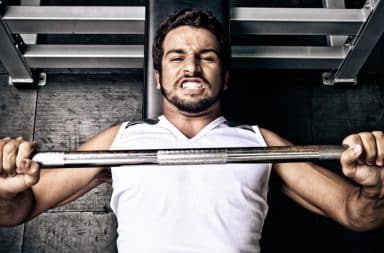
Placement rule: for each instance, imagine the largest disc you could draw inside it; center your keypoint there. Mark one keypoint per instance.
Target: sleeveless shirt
(216, 208)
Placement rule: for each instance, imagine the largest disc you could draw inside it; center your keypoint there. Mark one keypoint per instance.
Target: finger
(19, 139)
(2, 144)
(369, 146)
(379, 137)
(348, 160)
(31, 171)
(352, 140)
(26, 149)
(9, 156)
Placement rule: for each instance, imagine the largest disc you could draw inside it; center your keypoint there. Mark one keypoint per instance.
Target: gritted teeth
(191, 85)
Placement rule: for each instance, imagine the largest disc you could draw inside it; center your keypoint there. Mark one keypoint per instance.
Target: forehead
(190, 38)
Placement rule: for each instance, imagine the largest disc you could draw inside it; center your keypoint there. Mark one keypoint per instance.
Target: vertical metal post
(12, 58)
(153, 105)
(360, 47)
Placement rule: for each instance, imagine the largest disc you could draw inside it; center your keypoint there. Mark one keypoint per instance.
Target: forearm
(364, 209)
(15, 210)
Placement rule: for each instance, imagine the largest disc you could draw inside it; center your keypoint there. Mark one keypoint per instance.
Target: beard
(193, 107)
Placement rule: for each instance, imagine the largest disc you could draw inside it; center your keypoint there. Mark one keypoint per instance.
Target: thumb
(349, 158)
(30, 170)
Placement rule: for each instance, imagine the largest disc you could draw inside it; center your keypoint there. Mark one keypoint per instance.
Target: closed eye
(208, 59)
(176, 59)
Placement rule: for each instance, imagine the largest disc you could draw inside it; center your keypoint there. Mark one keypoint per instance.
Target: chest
(213, 179)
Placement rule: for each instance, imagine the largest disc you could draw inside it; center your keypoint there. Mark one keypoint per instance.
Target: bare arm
(20, 201)
(16, 197)
(326, 193)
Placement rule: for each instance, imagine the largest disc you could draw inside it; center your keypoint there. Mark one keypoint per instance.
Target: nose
(192, 65)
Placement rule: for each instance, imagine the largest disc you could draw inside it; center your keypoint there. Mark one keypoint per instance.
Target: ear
(157, 77)
(226, 80)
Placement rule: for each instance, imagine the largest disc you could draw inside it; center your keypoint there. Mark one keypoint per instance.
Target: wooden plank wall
(61, 115)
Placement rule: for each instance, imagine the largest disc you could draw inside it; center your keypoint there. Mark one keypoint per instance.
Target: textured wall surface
(61, 116)
(300, 108)
(73, 107)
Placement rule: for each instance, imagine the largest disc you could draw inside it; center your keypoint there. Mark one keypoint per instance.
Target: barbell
(112, 158)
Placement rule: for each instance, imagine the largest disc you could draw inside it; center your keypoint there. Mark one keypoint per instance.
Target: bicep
(58, 186)
(312, 186)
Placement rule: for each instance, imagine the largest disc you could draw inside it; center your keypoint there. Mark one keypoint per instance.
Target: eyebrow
(181, 51)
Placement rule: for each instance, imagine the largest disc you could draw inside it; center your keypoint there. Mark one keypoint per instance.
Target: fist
(364, 159)
(17, 171)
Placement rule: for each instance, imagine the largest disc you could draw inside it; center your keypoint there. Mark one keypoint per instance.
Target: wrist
(8, 195)
(363, 209)
(373, 193)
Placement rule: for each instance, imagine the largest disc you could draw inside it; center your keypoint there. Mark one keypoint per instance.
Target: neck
(190, 124)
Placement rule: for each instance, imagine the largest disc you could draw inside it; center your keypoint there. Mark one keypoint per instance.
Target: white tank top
(196, 208)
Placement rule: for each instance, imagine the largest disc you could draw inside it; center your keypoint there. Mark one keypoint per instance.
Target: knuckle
(366, 135)
(3, 142)
(378, 134)
(20, 138)
(353, 138)
(26, 148)
(10, 147)
(370, 153)
(9, 156)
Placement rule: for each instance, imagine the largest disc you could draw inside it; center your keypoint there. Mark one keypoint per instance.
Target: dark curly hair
(196, 18)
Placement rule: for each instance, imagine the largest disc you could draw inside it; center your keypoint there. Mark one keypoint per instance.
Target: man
(205, 208)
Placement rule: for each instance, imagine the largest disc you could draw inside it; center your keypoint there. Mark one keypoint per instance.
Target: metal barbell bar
(111, 158)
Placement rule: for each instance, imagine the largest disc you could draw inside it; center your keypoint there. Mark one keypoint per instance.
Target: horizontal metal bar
(287, 57)
(188, 156)
(132, 56)
(76, 19)
(131, 19)
(85, 56)
(296, 21)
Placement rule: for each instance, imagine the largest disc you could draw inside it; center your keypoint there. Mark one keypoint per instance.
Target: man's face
(191, 77)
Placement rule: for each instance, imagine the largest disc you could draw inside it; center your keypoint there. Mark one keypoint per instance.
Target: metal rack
(352, 34)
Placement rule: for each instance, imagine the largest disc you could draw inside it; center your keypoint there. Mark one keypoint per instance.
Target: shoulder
(103, 140)
(273, 139)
